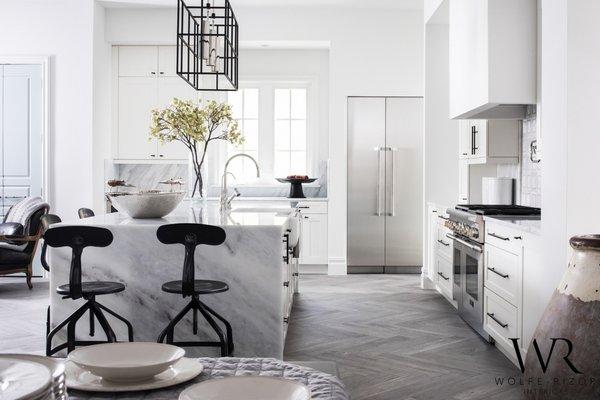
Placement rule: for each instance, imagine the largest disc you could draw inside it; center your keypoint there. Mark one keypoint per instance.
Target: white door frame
(44, 62)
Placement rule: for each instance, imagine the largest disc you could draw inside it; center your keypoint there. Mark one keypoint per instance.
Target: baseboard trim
(355, 269)
(426, 283)
(337, 266)
(313, 269)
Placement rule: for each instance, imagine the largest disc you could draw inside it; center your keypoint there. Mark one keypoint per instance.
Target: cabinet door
(138, 60)
(169, 88)
(166, 60)
(313, 239)
(464, 139)
(463, 182)
(137, 98)
(480, 138)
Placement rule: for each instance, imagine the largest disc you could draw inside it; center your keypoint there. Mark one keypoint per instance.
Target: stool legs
(95, 310)
(225, 342)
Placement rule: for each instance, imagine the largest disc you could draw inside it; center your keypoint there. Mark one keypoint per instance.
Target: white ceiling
(395, 4)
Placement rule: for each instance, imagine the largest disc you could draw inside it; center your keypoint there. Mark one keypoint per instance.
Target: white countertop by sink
(243, 213)
(531, 224)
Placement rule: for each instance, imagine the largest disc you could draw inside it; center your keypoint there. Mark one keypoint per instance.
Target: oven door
(468, 281)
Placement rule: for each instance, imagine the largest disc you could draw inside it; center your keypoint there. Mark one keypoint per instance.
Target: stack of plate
(24, 376)
(124, 367)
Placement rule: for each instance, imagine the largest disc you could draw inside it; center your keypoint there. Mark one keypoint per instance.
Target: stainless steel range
(468, 234)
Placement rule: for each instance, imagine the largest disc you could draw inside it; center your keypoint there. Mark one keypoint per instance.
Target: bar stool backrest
(77, 238)
(46, 221)
(190, 235)
(85, 213)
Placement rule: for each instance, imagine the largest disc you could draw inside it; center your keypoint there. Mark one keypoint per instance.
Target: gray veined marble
(250, 262)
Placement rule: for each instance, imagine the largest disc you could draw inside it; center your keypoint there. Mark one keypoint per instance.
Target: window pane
(298, 103)
(250, 131)
(250, 103)
(298, 163)
(298, 136)
(282, 135)
(282, 103)
(235, 99)
(281, 166)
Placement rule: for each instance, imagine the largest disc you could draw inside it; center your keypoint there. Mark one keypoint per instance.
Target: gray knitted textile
(322, 386)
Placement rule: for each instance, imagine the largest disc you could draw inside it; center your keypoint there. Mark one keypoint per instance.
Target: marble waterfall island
(251, 262)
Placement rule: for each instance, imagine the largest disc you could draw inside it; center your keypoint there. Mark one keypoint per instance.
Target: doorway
(21, 136)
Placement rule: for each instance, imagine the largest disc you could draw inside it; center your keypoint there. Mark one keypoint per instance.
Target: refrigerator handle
(378, 150)
(393, 154)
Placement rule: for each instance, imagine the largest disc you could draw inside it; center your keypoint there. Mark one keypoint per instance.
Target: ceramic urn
(563, 361)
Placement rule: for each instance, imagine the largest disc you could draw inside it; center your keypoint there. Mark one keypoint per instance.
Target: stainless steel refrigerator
(385, 181)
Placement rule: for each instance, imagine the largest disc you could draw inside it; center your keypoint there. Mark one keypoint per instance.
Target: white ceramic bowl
(247, 388)
(146, 205)
(126, 362)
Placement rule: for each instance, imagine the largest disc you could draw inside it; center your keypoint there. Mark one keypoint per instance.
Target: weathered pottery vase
(568, 335)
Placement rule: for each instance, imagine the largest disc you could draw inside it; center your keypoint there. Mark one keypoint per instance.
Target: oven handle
(469, 245)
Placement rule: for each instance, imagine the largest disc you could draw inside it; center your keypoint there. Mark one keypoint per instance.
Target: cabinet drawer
(500, 319)
(504, 237)
(444, 273)
(503, 273)
(443, 244)
(312, 207)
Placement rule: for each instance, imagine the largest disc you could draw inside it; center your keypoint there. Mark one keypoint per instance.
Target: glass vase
(197, 184)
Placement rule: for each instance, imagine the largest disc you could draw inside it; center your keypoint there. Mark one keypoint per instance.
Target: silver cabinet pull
(444, 243)
(444, 218)
(498, 236)
(496, 320)
(443, 277)
(498, 273)
(469, 245)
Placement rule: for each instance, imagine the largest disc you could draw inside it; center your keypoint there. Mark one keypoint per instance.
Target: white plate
(80, 379)
(247, 388)
(126, 362)
(21, 379)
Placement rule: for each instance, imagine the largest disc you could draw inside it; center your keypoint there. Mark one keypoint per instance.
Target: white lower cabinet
(512, 304)
(501, 320)
(439, 252)
(313, 232)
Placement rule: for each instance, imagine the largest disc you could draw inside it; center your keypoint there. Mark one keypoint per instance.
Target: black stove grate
(498, 209)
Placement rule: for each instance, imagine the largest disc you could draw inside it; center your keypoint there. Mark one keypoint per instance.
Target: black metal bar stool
(192, 235)
(78, 238)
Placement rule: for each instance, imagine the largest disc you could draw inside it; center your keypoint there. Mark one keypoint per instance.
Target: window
(290, 132)
(274, 118)
(244, 107)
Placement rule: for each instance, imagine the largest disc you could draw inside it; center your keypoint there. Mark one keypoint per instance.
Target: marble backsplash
(147, 176)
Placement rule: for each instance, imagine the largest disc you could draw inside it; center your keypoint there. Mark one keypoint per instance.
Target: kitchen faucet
(226, 201)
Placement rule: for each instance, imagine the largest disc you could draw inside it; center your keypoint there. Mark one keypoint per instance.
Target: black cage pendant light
(207, 44)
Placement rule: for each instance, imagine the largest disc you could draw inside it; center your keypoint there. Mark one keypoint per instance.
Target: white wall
(101, 113)
(285, 64)
(569, 120)
(374, 52)
(61, 29)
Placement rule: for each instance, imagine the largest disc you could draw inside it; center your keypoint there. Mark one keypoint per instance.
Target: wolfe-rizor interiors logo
(549, 371)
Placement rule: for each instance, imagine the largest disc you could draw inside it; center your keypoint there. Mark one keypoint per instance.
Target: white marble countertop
(531, 224)
(243, 213)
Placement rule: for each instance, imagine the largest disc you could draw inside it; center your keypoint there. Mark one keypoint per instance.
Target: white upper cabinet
(146, 80)
(137, 98)
(167, 60)
(489, 141)
(138, 60)
(493, 58)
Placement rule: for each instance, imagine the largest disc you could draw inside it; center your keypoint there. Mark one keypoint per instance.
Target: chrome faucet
(226, 201)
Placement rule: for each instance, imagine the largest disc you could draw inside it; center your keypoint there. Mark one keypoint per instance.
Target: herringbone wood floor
(390, 339)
